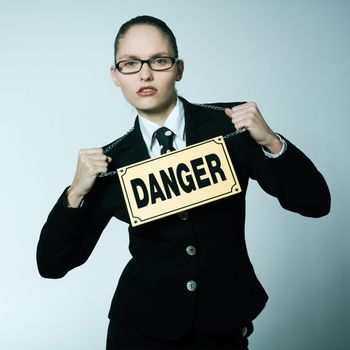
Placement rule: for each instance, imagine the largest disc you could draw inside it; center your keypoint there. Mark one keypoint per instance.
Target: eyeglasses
(157, 64)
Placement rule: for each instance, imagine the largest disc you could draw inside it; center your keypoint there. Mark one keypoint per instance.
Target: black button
(191, 250)
(191, 286)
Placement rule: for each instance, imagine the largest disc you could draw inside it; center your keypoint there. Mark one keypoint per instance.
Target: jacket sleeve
(293, 179)
(69, 235)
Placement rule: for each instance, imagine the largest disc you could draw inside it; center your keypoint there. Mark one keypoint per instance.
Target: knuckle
(251, 109)
(84, 159)
(91, 170)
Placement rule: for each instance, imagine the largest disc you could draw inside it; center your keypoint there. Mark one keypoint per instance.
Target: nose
(146, 72)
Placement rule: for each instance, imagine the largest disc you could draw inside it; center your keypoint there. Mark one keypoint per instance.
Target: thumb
(109, 159)
(229, 112)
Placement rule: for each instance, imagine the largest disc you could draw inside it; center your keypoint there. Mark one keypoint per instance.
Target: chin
(149, 105)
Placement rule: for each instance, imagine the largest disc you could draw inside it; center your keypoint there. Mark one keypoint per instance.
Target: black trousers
(118, 339)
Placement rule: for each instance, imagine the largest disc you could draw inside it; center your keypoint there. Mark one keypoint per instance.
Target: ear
(114, 75)
(180, 66)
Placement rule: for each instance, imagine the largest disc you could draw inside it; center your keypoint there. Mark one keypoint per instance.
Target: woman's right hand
(91, 163)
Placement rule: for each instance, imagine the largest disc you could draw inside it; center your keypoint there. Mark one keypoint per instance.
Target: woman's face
(152, 93)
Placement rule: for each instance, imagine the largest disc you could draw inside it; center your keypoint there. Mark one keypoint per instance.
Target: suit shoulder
(215, 110)
(219, 106)
(118, 142)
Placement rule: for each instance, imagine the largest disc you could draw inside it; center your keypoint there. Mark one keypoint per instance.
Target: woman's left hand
(248, 116)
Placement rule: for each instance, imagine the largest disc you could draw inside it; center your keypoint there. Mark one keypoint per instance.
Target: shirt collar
(175, 122)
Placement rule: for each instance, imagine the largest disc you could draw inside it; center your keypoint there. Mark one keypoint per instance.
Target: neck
(160, 114)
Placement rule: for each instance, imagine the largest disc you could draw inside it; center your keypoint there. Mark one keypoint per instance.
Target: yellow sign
(177, 181)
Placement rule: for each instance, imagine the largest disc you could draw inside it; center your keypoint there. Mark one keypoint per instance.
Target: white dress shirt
(175, 122)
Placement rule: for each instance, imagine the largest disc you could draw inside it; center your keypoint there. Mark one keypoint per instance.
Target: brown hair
(151, 21)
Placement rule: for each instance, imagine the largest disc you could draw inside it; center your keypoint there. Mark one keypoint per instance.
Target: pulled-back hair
(146, 20)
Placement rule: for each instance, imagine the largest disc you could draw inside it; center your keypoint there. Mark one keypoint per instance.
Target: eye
(130, 63)
(161, 61)
(129, 66)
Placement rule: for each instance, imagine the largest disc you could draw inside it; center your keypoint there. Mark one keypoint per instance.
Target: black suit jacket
(151, 294)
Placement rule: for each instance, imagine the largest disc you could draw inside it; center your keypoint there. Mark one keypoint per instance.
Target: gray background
(291, 57)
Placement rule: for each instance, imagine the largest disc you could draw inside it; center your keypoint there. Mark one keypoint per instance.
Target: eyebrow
(132, 57)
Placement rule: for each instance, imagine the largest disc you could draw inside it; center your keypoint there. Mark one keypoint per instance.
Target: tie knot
(165, 139)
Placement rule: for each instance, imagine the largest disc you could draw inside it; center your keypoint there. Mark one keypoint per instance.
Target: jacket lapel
(132, 149)
(200, 123)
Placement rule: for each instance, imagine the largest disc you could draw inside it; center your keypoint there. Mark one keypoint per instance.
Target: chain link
(110, 173)
(117, 141)
(218, 108)
(215, 108)
(110, 147)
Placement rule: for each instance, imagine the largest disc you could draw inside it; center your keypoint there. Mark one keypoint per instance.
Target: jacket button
(191, 286)
(191, 250)
(183, 215)
(244, 331)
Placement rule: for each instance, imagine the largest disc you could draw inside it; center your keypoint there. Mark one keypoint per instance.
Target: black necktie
(165, 139)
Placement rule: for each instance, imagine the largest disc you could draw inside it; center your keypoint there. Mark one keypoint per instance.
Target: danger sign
(177, 181)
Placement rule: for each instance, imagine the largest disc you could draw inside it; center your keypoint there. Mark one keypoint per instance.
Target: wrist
(273, 144)
(74, 198)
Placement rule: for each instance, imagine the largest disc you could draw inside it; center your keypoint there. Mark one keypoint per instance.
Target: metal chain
(111, 146)
(110, 173)
(117, 141)
(217, 108)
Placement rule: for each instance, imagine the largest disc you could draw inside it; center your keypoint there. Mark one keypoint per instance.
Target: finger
(99, 163)
(243, 120)
(229, 112)
(249, 116)
(97, 169)
(240, 117)
(90, 151)
(99, 157)
(237, 122)
(234, 115)
(100, 170)
(240, 107)
(245, 106)
(102, 157)
(241, 125)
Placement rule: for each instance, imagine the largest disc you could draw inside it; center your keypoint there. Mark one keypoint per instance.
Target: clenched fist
(91, 163)
(248, 116)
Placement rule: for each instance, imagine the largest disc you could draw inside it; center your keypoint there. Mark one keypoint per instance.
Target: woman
(189, 284)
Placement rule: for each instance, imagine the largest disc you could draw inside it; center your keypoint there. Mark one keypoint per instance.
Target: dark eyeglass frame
(173, 61)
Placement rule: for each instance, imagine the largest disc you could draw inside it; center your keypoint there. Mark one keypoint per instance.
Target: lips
(147, 91)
